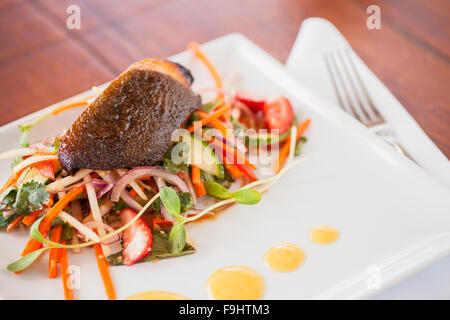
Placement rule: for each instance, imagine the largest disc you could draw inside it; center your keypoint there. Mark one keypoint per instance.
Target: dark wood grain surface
(42, 62)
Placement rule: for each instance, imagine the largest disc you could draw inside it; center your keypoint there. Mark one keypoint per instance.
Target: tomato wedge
(254, 102)
(278, 114)
(46, 169)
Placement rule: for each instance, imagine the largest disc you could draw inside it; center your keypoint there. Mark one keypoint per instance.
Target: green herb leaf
(35, 233)
(31, 197)
(215, 190)
(119, 206)
(298, 146)
(26, 261)
(247, 196)
(183, 151)
(170, 201)
(207, 107)
(177, 238)
(186, 201)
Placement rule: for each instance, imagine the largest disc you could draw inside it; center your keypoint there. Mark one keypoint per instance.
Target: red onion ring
(96, 182)
(139, 172)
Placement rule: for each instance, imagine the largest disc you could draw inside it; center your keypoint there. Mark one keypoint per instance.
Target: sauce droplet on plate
(284, 257)
(323, 234)
(235, 283)
(156, 295)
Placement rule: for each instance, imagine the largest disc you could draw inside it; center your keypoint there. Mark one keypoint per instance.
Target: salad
(138, 213)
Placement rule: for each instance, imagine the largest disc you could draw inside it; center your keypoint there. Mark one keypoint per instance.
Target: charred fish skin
(131, 122)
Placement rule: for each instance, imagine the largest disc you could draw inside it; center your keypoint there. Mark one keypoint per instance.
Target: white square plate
(393, 218)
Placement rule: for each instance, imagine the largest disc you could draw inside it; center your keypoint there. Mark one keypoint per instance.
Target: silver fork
(353, 97)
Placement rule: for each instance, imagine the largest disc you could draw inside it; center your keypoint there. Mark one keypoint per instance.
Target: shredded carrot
(14, 223)
(202, 57)
(211, 117)
(133, 193)
(233, 170)
(197, 181)
(247, 171)
(65, 275)
(49, 203)
(46, 222)
(284, 152)
(238, 157)
(15, 176)
(28, 220)
(53, 252)
(104, 271)
(161, 221)
(70, 104)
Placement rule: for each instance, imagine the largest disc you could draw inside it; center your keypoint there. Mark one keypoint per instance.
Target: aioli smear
(156, 295)
(284, 257)
(323, 234)
(235, 283)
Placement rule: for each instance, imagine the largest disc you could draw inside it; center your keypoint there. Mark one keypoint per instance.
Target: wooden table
(42, 62)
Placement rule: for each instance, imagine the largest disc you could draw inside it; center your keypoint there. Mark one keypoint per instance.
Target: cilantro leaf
(30, 197)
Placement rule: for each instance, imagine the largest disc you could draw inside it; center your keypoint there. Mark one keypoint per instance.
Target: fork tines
(350, 90)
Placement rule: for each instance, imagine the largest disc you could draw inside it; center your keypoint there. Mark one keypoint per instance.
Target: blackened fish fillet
(130, 123)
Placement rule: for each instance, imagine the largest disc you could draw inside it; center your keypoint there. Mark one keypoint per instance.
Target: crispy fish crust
(131, 122)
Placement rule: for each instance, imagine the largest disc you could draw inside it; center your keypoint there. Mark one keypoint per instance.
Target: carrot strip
(197, 181)
(233, 170)
(133, 193)
(69, 105)
(28, 220)
(247, 171)
(46, 222)
(104, 271)
(50, 202)
(53, 252)
(67, 285)
(284, 152)
(14, 223)
(240, 158)
(211, 117)
(161, 221)
(15, 176)
(202, 57)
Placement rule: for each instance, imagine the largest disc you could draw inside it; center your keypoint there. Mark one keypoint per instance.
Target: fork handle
(398, 147)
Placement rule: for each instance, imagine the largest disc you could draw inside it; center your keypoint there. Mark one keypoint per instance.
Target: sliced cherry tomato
(46, 169)
(252, 101)
(278, 114)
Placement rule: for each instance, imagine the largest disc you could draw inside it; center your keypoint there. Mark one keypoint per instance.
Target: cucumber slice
(203, 156)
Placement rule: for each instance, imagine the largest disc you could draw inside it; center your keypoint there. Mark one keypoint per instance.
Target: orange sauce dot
(323, 234)
(235, 283)
(284, 257)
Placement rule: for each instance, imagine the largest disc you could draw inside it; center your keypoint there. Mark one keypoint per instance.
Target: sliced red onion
(95, 224)
(129, 200)
(105, 190)
(139, 172)
(96, 182)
